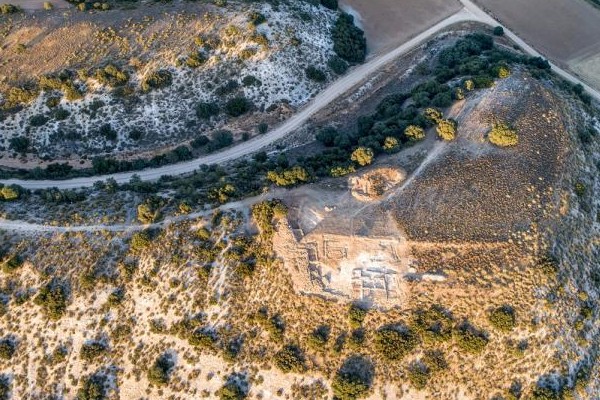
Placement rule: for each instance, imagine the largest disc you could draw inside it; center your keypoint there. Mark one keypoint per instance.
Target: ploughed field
(566, 31)
(389, 23)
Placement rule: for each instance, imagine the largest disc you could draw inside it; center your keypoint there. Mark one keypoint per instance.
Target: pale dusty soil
(560, 29)
(388, 23)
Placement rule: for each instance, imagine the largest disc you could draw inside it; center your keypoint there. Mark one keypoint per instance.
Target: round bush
(503, 136)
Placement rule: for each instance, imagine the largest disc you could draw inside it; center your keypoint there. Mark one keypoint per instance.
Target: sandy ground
(388, 23)
(39, 4)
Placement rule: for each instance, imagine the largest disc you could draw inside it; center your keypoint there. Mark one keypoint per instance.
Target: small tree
(231, 391)
(315, 74)
(93, 387)
(414, 133)
(498, 31)
(290, 359)
(53, 299)
(433, 115)
(356, 315)
(503, 318)
(238, 106)
(446, 129)
(205, 110)
(363, 156)
(331, 4)
(503, 136)
(4, 387)
(159, 372)
(8, 348)
(394, 344)
(391, 144)
(470, 339)
(354, 379)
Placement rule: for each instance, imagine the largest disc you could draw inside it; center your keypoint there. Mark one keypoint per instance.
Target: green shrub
(290, 359)
(349, 42)
(202, 339)
(111, 76)
(220, 140)
(257, 18)
(548, 265)
(363, 156)
(205, 110)
(20, 144)
(250, 80)
(12, 263)
(159, 372)
(353, 380)
(579, 189)
(414, 133)
(8, 347)
(60, 114)
(195, 60)
(289, 177)
(319, 337)
(53, 299)
(93, 387)
(5, 387)
(238, 106)
(434, 360)
(231, 391)
(20, 95)
(446, 129)
(108, 132)
(393, 344)
(356, 315)
(157, 80)
(92, 350)
(148, 211)
(498, 31)
(331, 4)
(503, 318)
(418, 375)
(262, 128)
(8, 9)
(10, 193)
(470, 339)
(433, 324)
(315, 74)
(38, 120)
(337, 65)
(503, 136)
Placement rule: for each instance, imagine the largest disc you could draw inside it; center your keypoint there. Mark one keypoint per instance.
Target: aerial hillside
(140, 80)
(432, 234)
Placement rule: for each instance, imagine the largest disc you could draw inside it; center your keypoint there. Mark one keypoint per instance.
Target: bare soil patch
(374, 184)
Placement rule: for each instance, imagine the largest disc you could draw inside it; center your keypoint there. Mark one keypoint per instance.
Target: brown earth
(476, 191)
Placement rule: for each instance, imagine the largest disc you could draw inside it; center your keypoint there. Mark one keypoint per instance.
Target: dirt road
(470, 12)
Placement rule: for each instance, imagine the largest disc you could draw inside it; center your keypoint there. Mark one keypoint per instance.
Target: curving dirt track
(470, 12)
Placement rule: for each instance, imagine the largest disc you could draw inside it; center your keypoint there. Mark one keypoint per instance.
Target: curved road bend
(340, 86)
(470, 12)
